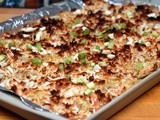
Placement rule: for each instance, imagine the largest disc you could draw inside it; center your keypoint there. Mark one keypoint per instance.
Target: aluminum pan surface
(65, 5)
(105, 112)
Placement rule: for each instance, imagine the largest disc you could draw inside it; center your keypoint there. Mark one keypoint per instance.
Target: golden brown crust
(76, 62)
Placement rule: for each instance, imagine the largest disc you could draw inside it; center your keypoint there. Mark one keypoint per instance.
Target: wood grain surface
(146, 107)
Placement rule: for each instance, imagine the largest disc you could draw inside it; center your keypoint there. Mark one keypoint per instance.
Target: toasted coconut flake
(28, 29)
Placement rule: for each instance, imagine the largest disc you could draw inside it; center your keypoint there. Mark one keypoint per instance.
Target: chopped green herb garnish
(83, 61)
(77, 20)
(105, 37)
(141, 41)
(99, 34)
(86, 32)
(29, 46)
(102, 63)
(80, 80)
(68, 60)
(97, 47)
(155, 34)
(36, 61)
(121, 26)
(139, 65)
(92, 64)
(106, 44)
(73, 34)
(39, 47)
(130, 14)
(91, 85)
(61, 67)
(11, 44)
(3, 42)
(109, 44)
(2, 57)
(108, 28)
(88, 92)
(145, 33)
(102, 35)
(134, 29)
(70, 25)
(82, 55)
(84, 41)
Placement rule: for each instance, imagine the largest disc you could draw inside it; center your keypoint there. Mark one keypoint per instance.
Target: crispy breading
(76, 62)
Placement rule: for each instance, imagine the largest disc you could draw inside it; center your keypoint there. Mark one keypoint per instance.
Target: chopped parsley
(84, 41)
(121, 26)
(97, 47)
(83, 61)
(39, 47)
(77, 20)
(36, 61)
(86, 32)
(73, 34)
(3, 42)
(145, 33)
(92, 64)
(139, 65)
(11, 44)
(68, 61)
(29, 46)
(82, 55)
(2, 57)
(61, 67)
(88, 92)
(70, 25)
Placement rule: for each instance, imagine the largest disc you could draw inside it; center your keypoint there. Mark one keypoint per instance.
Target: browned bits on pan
(63, 47)
(24, 90)
(139, 46)
(158, 54)
(145, 9)
(45, 21)
(88, 2)
(68, 69)
(55, 92)
(65, 115)
(55, 96)
(55, 99)
(140, 8)
(100, 94)
(101, 21)
(16, 53)
(67, 105)
(62, 83)
(155, 67)
(109, 71)
(91, 78)
(14, 88)
(126, 52)
(73, 10)
(101, 81)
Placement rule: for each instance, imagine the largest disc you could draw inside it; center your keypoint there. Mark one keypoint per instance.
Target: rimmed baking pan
(14, 104)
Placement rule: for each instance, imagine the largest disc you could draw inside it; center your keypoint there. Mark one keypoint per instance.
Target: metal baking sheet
(14, 104)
